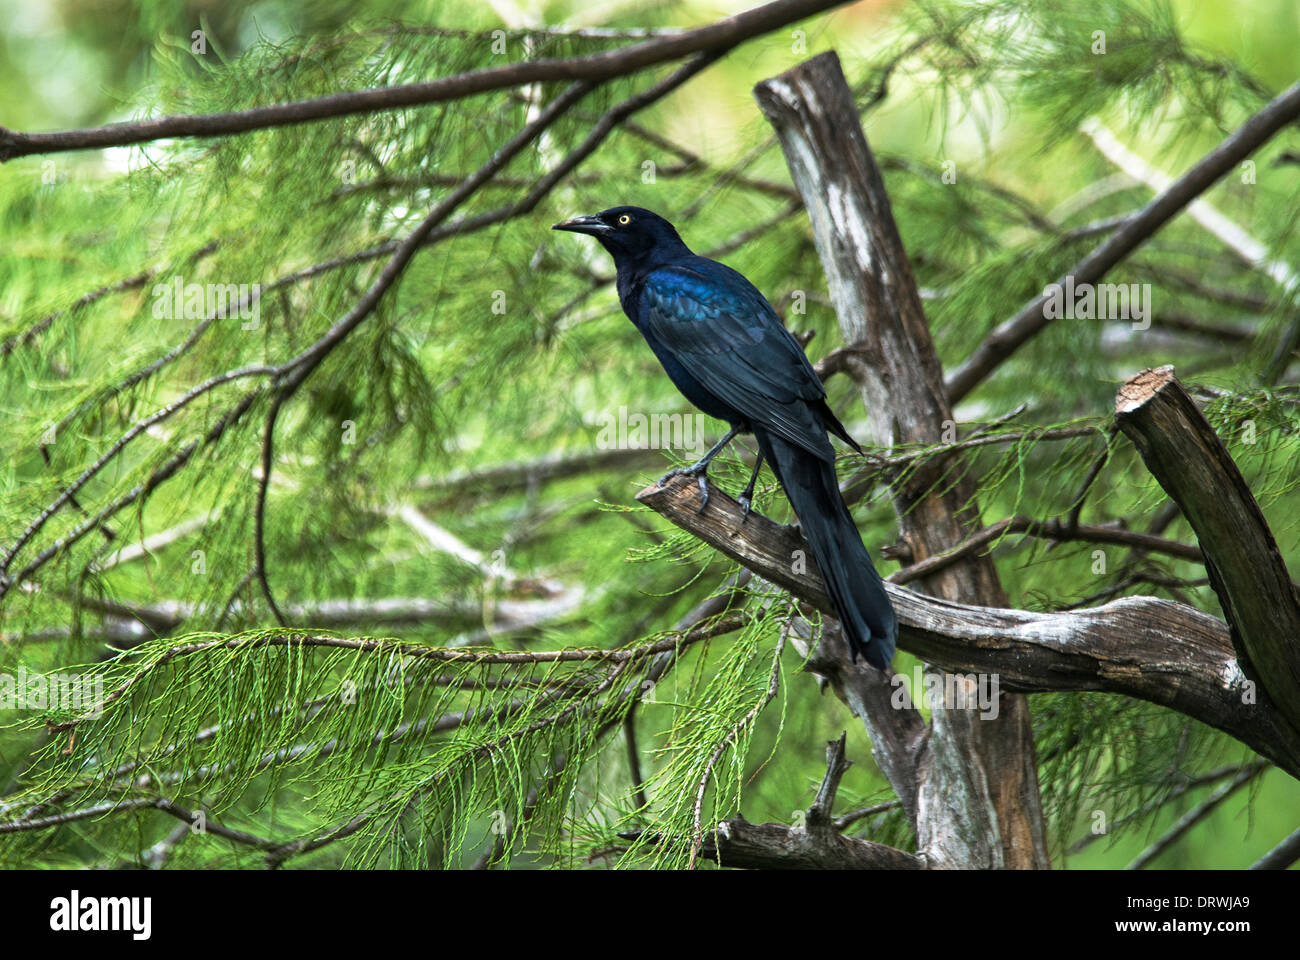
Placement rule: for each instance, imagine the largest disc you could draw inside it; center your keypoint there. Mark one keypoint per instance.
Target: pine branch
(164, 472)
(419, 652)
(1012, 334)
(136, 430)
(698, 810)
(277, 856)
(818, 844)
(191, 818)
(14, 341)
(290, 375)
(715, 38)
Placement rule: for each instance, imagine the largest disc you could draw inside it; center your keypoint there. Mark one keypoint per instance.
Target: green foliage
(501, 352)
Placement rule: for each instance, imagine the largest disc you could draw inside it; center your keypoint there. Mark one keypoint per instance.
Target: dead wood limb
(977, 798)
(1246, 570)
(775, 846)
(1156, 650)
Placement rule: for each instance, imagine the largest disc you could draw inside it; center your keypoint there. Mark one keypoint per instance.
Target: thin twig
(1050, 530)
(1282, 856)
(853, 816)
(259, 515)
(1200, 780)
(1009, 336)
(634, 758)
(1193, 817)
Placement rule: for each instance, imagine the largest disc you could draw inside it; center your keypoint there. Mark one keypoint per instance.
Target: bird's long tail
(855, 588)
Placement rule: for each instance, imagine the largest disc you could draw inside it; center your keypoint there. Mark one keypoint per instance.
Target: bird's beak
(592, 225)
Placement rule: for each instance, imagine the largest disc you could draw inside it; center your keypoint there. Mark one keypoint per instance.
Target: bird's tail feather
(856, 589)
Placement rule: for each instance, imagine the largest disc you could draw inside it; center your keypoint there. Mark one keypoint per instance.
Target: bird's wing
(728, 337)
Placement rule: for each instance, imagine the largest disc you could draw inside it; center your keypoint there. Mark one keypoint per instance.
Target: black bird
(722, 344)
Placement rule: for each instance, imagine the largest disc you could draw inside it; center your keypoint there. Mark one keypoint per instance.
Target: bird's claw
(745, 502)
(694, 470)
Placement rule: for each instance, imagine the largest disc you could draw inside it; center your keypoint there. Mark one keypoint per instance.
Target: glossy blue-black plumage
(726, 350)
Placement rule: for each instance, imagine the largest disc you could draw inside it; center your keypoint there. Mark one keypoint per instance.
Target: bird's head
(629, 233)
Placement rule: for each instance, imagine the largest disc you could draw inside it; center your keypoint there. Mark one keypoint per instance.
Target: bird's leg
(700, 468)
(747, 495)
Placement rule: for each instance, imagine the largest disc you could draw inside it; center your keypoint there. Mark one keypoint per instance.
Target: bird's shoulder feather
(727, 336)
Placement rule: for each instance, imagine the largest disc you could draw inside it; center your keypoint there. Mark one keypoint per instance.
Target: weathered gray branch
(775, 846)
(1048, 530)
(977, 800)
(1282, 856)
(1246, 570)
(1156, 650)
(898, 737)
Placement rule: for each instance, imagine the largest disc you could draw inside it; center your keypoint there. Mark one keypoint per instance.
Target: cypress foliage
(451, 500)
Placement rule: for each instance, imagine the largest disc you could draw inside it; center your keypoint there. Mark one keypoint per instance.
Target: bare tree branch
(1246, 570)
(1053, 530)
(1211, 776)
(1193, 817)
(1282, 856)
(259, 513)
(978, 802)
(847, 820)
(719, 36)
(1009, 336)
(775, 846)
(1156, 650)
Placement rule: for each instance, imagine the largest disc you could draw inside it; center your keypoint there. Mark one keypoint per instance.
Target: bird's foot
(745, 502)
(698, 470)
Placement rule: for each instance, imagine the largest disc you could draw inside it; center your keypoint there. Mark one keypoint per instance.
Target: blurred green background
(72, 64)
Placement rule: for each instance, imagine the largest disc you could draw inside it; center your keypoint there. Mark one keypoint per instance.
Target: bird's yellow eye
(624, 220)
